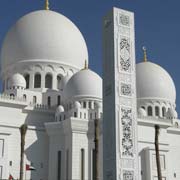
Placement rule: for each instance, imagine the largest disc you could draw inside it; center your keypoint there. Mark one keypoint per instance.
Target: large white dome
(46, 36)
(153, 82)
(84, 83)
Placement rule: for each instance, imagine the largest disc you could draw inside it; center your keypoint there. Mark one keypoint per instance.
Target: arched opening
(24, 96)
(156, 111)
(48, 81)
(163, 111)
(58, 81)
(27, 77)
(37, 80)
(149, 111)
(12, 96)
(49, 101)
(34, 99)
(58, 100)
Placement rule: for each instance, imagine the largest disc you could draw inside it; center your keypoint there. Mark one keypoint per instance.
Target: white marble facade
(47, 85)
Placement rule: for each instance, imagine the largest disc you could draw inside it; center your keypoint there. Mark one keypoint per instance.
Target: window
(12, 95)
(48, 81)
(37, 81)
(59, 166)
(24, 96)
(84, 104)
(149, 111)
(90, 106)
(75, 114)
(49, 101)
(82, 164)
(163, 111)
(58, 100)
(157, 111)
(34, 99)
(58, 81)
(27, 77)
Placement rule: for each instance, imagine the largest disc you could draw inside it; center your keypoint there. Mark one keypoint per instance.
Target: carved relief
(128, 175)
(126, 89)
(124, 20)
(125, 54)
(127, 139)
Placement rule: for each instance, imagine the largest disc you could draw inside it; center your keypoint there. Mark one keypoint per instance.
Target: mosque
(48, 86)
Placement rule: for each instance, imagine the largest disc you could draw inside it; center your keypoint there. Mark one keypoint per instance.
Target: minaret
(120, 154)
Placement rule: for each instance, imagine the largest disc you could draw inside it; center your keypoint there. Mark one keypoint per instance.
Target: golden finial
(47, 5)
(145, 53)
(85, 65)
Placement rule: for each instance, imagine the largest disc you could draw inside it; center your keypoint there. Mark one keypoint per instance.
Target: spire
(145, 53)
(47, 5)
(85, 65)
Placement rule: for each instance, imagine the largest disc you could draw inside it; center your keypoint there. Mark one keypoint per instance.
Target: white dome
(142, 112)
(59, 109)
(84, 83)
(77, 105)
(45, 36)
(17, 80)
(153, 82)
(171, 114)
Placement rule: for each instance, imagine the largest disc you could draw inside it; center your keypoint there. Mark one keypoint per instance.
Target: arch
(59, 78)
(163, 111)
(27, 78)
(24, 96)
(156, 111)
(49, 101)
(149, 109)
(48, 81)
(37, 80)
(34, 99)
(12, 96)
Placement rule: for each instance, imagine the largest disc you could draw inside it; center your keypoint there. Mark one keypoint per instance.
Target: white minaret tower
(119, 97)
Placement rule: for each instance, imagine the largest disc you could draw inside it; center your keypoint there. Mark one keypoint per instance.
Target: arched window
(163, 111)
(27, 77)
(34, 99)
(12, 96)
(49, 101)
(24, 96)
(149, 111)
(58, 100)
(157, 111)
(58, 81)
(48, 81)
(37, 81)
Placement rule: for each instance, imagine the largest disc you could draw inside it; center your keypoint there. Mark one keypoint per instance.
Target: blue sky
(157, 27)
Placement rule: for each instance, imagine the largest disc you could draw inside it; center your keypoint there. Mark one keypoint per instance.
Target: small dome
(171, 114)
(17, 80)
(142, 112)
(84, 83)
(153, 82)
(44, 36)
(77, 105)
(59, 109)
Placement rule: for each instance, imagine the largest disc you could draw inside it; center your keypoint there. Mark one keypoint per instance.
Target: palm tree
(23, 130)
(157, 152)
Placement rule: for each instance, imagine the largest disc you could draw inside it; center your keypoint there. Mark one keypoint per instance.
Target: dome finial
(85, 65)
(145, 53)
(47, 5)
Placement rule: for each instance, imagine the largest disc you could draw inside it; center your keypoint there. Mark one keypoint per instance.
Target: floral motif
(124, 20)
(127, 142)
(128, 175)
(126, 89)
